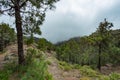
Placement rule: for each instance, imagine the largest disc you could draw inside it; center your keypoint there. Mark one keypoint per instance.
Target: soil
(11, 49)
(107, 71)
(59, 74)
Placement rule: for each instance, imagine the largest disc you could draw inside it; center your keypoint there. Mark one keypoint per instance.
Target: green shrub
(103, 77)
(8, 69)
(76, 66)
(4, 75)
(114, 76)
(30, 55)
(87, 71)
(48, 62)
(37, 69)
(45, 45)
(42, 44)
(65, 66)
(49, 76)
(85, 78)
(29, 41)
(63, 63)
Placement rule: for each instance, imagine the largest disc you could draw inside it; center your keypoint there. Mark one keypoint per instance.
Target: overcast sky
(73, 18)
(79, 17)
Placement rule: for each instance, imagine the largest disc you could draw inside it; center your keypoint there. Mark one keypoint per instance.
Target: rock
(14, 55)
(108, 65)
(78, 76)
(10, 57)
(104, 67)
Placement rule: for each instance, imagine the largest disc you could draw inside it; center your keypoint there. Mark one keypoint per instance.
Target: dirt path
(9, 50)
(1, 60)
(107, 71)
(74, 74)
(59, 74)
(12, 49)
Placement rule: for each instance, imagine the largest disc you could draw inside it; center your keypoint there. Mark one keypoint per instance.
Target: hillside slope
(65, 71)
(60, 74)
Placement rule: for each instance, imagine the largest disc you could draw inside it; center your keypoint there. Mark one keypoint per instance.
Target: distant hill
(115, 34)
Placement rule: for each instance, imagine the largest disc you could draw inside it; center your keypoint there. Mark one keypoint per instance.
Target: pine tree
(102, 39)
(7, 35)
(27, 13)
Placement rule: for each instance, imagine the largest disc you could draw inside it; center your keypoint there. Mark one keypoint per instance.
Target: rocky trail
(8, 51)
(74, 74)
(59, 74)
(1, 60)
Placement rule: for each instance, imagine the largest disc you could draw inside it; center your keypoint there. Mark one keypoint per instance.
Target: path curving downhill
(58, 73)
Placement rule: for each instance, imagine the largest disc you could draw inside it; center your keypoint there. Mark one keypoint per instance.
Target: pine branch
(2, 11)
(12, 1)
(23, 3)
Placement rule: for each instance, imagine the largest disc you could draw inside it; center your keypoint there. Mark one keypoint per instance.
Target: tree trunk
(1, 42)
(99, 58)
(21, 59)
(1, 45)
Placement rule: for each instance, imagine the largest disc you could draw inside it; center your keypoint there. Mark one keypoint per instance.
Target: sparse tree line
(96, 50)
(7, 35)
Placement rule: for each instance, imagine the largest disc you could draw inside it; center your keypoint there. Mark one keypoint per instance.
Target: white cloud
(84, 8)
(77, 17)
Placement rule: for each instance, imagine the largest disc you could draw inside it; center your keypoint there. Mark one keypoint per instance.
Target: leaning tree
(26, 13)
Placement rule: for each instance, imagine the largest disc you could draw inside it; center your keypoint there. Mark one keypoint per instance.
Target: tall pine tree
(102, 39)
(26, 13)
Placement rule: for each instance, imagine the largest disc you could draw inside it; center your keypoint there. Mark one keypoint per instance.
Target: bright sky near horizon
(73, 18)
